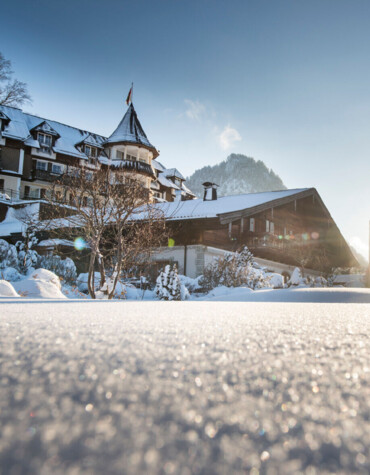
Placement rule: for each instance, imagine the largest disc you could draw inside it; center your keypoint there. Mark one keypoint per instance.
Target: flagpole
(132, 91)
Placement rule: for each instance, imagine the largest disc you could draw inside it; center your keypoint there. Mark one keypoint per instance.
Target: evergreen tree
(168, 285)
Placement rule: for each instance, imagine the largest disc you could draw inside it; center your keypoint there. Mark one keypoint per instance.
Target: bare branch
(13, 92)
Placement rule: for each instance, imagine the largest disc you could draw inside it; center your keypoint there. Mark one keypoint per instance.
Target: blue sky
(286, 82)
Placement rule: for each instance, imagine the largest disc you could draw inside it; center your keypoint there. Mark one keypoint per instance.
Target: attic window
(45, 142)
(90, 151)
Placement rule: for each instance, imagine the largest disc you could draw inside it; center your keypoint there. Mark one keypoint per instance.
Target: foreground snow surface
(184, 387)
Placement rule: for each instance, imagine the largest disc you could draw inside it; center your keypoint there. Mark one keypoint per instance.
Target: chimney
(178, 196)
(210, 191)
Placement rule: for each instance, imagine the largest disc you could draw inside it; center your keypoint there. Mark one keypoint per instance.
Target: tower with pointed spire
(128, 147)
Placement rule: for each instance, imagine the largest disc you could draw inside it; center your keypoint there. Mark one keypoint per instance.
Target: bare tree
(109, 208)
(12, 91)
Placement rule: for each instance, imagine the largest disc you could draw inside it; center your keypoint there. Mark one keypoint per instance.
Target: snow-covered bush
(297, 279)
(10, 274)
(276, 280)
(234, 270)
(63, 268)
(192, 285)
(168, 286)
(8, 255)
(27, 257)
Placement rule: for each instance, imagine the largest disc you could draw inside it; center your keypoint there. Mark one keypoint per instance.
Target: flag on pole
(129, 96)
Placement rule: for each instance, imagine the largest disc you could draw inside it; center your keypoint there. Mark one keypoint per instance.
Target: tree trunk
(90, 278)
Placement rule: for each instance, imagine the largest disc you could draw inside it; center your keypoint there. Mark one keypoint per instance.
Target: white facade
(191, 260)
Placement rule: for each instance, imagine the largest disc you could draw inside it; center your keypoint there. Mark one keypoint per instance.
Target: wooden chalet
(288, 227)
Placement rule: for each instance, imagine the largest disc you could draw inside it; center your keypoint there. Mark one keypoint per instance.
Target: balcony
(136, 166)
(9, 194)
(44, 175)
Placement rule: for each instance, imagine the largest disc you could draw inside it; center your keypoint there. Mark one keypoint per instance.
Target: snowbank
(46, 276)
(40, 283)
(37, 288)
(7, 290)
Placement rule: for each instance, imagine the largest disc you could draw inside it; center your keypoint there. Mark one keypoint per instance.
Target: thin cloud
(228, 137)
(195, 109)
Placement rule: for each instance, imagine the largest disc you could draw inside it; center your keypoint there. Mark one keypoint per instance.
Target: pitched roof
(173, 172)
(158, 166)
(196, 209)
(22, 123)
(130, 130)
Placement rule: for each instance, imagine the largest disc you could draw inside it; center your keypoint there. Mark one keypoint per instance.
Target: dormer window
(90, 151)
(45, 142)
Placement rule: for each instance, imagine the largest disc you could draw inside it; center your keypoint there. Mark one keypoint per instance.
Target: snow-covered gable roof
(17, 128)
(196, 209)
(158, 166)
(93, 140)
(130, 130)
(166, 182)
(47, 128)
(173, 172)
(186, 189)
(21, 124)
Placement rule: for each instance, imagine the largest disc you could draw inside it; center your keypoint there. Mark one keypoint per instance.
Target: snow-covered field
(184, 387)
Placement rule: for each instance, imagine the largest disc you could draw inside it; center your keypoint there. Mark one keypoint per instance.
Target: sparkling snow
(184, 387)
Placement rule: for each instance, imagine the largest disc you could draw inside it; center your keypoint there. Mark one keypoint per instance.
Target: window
(130, 157)
(45, 142)
(57, 169)
(120, 155)
(252, 225)
(267, 225)
(90, 151)
(34, 193)
(272, 227)
(41, 165)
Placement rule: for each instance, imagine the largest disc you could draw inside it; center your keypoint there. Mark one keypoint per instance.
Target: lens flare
(79, 243)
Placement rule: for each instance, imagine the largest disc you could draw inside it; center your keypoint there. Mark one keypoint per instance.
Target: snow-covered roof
(130, 130)
(166, 182)
(173, 172)
(47, 128)
(93, 140)
(21, 124)
(55, 242)
(186, 189)
(196, 209)
(158, 166)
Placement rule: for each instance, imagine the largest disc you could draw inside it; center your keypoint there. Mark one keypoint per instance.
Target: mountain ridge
(236, 175)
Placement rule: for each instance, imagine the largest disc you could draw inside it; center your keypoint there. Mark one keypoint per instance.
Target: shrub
(63, 268)
(234, 270)
(168, 286)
